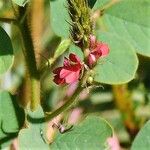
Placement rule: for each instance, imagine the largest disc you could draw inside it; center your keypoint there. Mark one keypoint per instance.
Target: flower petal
(103, 48)
(72, 77)
(64, 73)
(58, 80)
(74, 58)
(92, 41)
(91, 59)
(57, 70)
(66, 62)
(70, 71)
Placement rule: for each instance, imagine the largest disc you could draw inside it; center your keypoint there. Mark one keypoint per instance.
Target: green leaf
(92, 133)
(20, 2)
(137, 35)
(132, 25)
(6, 139)
(99, 4)
(6, 52)
(135, 11)
(142, 140)
(12, 116)
(62, 48)
(120, 65)
(33, 137)
(59, 18)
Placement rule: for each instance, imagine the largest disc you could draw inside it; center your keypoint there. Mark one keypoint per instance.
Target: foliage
(33, 136)
(6, 52)
(85, 135)
(142, 139)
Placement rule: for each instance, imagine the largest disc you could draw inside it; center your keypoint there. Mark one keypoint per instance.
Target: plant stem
(30, 59)
(72, 99)
(124, 103)
(64, 107)
(28, 44)
(60, 110)
(7, 20)
(37, 26)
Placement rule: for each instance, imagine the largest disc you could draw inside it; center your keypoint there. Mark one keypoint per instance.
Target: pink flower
(70, 72)
(113, 143)
(97, 50)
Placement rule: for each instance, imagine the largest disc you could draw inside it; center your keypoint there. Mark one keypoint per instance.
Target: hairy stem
(69, 102)
(72, 99)
(37, 27)
(30, 59)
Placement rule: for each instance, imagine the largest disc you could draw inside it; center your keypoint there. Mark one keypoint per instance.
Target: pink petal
(92, 41)
(103, 48)
(72, 77)
(71, 89)
(74, 58)
(113, 143)
(64, 73)
(66, 62)
(70, 71)
(91, 59)
(75, 115)
(97, 54)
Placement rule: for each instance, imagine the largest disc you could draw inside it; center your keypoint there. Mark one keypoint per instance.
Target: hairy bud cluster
(81, 25)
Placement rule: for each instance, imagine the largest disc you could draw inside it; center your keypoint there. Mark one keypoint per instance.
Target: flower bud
(97, 50)
(90, 80)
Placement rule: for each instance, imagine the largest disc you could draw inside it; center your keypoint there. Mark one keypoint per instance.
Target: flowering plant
(73, 74)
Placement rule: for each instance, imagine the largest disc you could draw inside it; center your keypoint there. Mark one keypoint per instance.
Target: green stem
(72, 99)
(30, 59)
(69, 102)
(28, 44)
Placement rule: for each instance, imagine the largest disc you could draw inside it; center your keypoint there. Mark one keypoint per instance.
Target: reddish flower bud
(97, 50)
(70, 72)
(92, 41)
